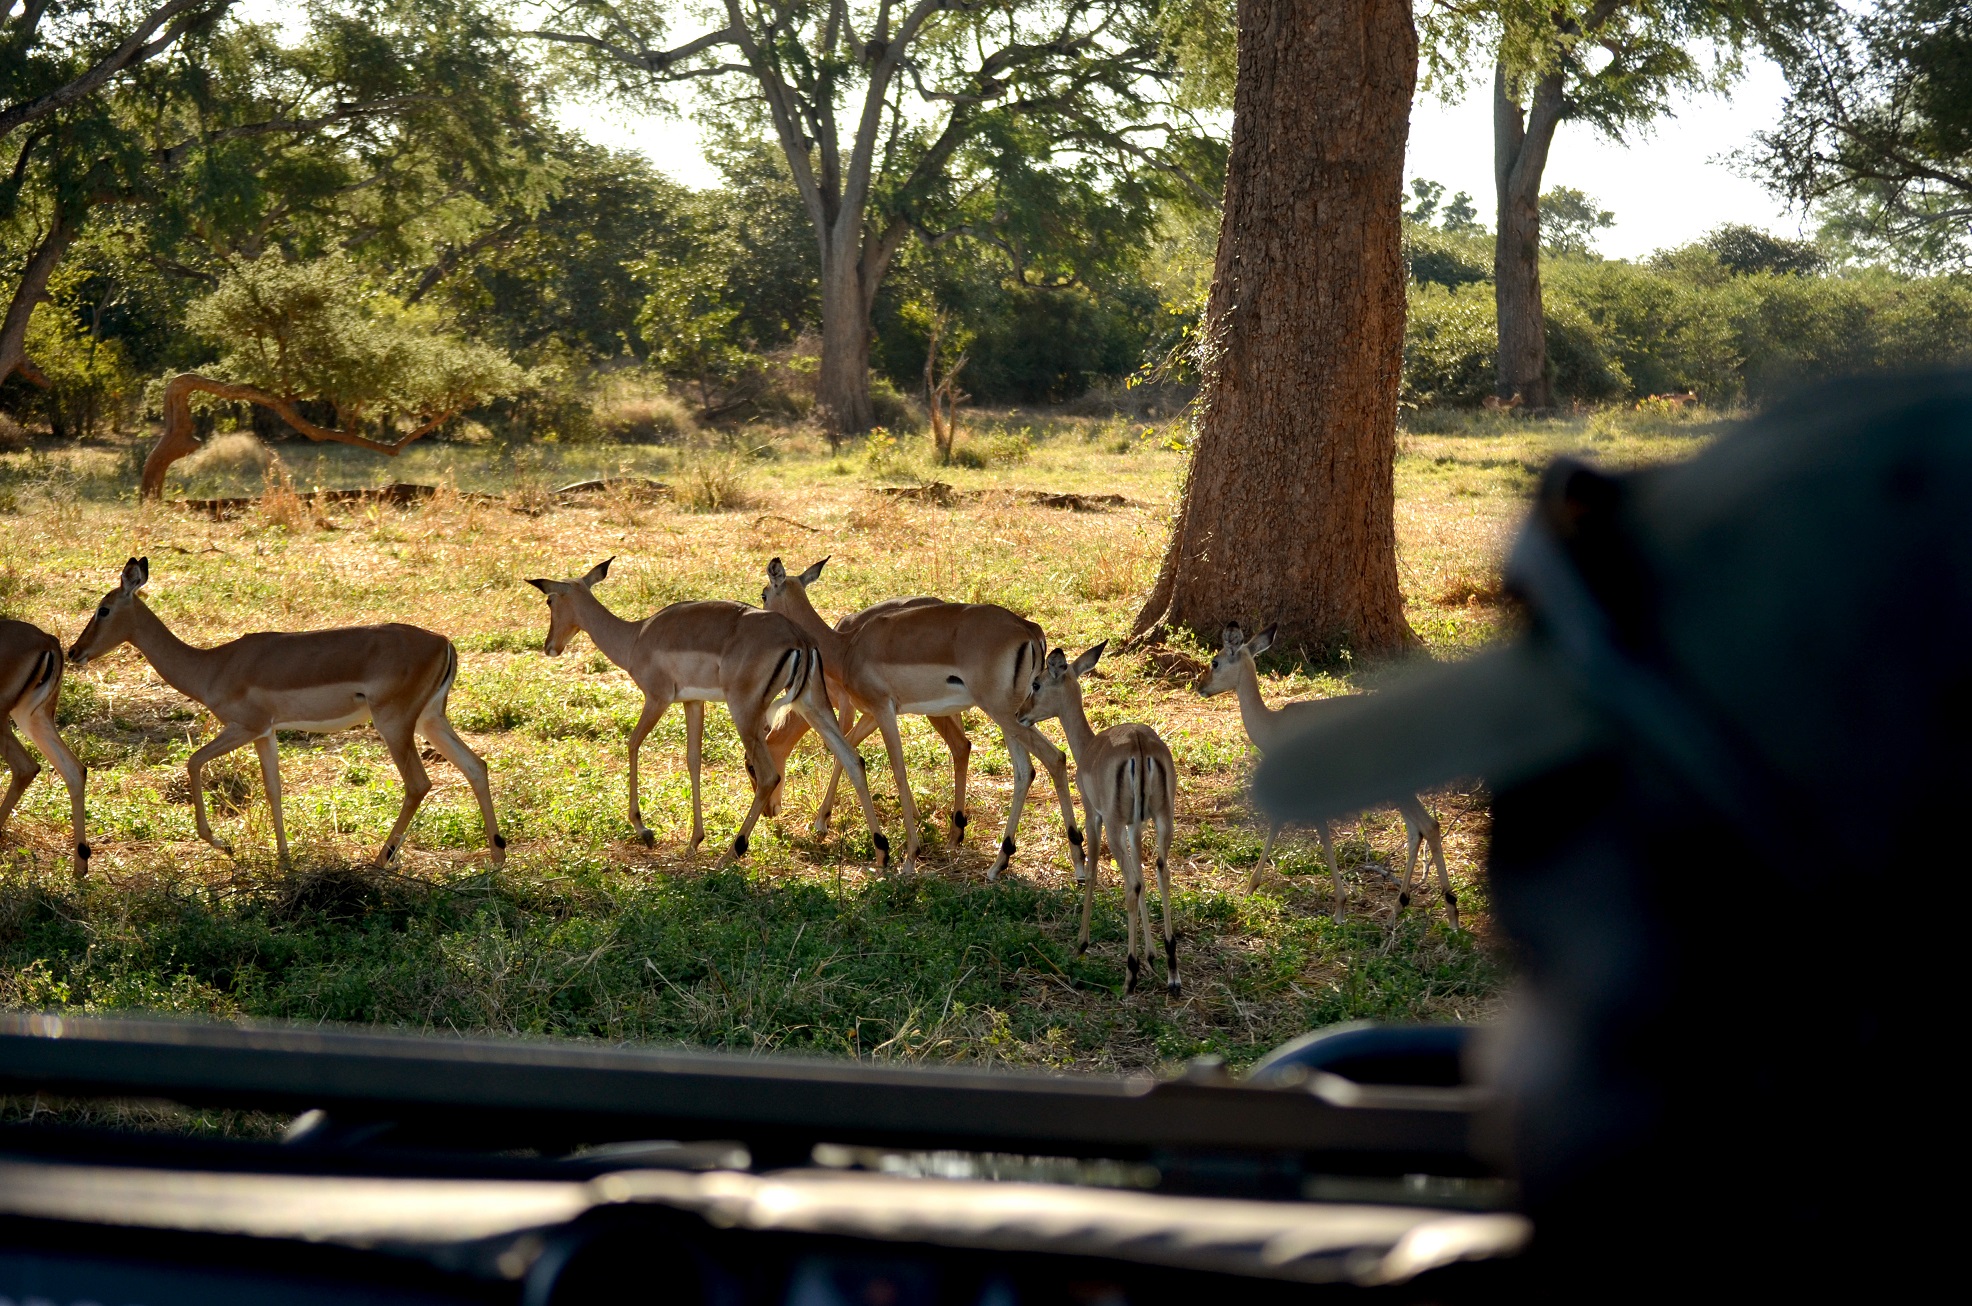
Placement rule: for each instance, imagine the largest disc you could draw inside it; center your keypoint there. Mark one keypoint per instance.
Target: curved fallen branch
(177, 440)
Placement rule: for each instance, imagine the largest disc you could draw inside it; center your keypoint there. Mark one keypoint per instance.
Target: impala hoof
(882, 843)
(958, 827)
(500, 842)
(1174, 989)
(739, 845)
(647, 838)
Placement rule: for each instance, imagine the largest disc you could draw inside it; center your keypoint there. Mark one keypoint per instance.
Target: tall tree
(1288, 513)
(1877, 132)
(57, 59)
(892, 114)
(1612, 64)
(383, 112)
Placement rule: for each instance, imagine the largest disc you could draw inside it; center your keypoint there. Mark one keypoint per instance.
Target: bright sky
(1666, 187)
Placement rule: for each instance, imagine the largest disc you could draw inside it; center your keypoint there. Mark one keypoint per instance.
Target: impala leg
(1266, 851)
(20, 765)
(1434, 834)
(654, 709)
(228, 739)
(855, 729)
(1413, 841)
(400, 737)
(1023, 778)
(1056, 762)
(847, 760)
(893, 744)
(765, 775)
(436, 728)
(1171, 981)
(270, 776)
(1334, 869)
(1123, 841)
(781, 742)
(40, 726)
(952, 730)
(694, 758)
(1089, 881)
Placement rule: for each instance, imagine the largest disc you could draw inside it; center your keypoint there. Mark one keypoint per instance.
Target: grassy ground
(588, 933)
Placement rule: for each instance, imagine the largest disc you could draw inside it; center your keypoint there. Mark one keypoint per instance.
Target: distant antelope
(931, 658)
(30, 688)
(1233, 670)
(395, 676)
(759, 664)
(1127, 781)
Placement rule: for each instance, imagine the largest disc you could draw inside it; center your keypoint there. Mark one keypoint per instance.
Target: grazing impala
(30, 686)
(395, 676)
(1233, 671)
(759, 664)
(1127, 781)
(926, 657)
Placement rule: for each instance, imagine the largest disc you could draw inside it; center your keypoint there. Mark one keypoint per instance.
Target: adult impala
(927, 657)
(394, 676)
(30, 687)
(759, 664)
(1233, 671)
(1128, 781)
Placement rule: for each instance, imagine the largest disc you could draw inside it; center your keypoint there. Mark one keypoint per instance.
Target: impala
(395, 676)
(1127, 781)
(30, 687)
(759, 664)
(927, 657)
(1233, 671)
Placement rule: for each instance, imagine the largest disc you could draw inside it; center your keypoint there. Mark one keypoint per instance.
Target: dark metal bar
(537, 1093)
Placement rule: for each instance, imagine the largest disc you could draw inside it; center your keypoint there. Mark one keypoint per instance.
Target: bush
(1450, 343)
(1447, 258)
(892, 409)
(91, 386)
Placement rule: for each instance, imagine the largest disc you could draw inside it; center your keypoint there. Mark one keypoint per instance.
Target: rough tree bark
(1288, 514)
(178, 438)
(1521, 139)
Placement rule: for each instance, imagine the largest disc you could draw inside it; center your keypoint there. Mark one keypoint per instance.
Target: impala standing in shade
(927, 657)
(30, 687)
(1127, 781)
(1233, 671)
(759, 664)
(395, 676)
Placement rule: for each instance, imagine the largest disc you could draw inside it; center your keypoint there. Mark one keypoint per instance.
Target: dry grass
(588, 932)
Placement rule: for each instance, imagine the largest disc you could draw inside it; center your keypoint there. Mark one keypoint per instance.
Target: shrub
(91, 386)
(713, 479)
(1450, 343)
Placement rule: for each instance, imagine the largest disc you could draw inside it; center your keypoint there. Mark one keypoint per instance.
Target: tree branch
(135, 49)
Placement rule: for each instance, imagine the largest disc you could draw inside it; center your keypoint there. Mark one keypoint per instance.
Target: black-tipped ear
(1232, 636)
(1263, 641)
(135, 573)
(1057, 660)
(1087, 662)
(599, 571)
(538, 583)
(776, 573)
(814, 573)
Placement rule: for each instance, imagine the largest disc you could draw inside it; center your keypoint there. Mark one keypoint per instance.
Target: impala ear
(598, 571)
(776, 573)
(1263, 641)
(1087, 662)
(1232, 636)
(540, 583)
(814, 573)
(1057, 661)
(136, 572)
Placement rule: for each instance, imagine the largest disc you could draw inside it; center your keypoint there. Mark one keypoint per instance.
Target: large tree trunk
(1288, 514)
(1520, 148)
(28, 291)
(842, 386)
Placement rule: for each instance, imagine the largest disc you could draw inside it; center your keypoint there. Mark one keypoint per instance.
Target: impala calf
(1127, 781)
(30, 687)
(395, 676)
(1233, 671)
(927, 657)
(760, 665)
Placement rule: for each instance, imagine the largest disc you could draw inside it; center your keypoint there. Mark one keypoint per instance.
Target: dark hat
(1780, 621)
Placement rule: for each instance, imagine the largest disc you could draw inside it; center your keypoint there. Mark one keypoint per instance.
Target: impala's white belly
(942, 705)
(356, 718)
(694, 694)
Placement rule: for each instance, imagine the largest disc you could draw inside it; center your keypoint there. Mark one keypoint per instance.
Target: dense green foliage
(1735, 318)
